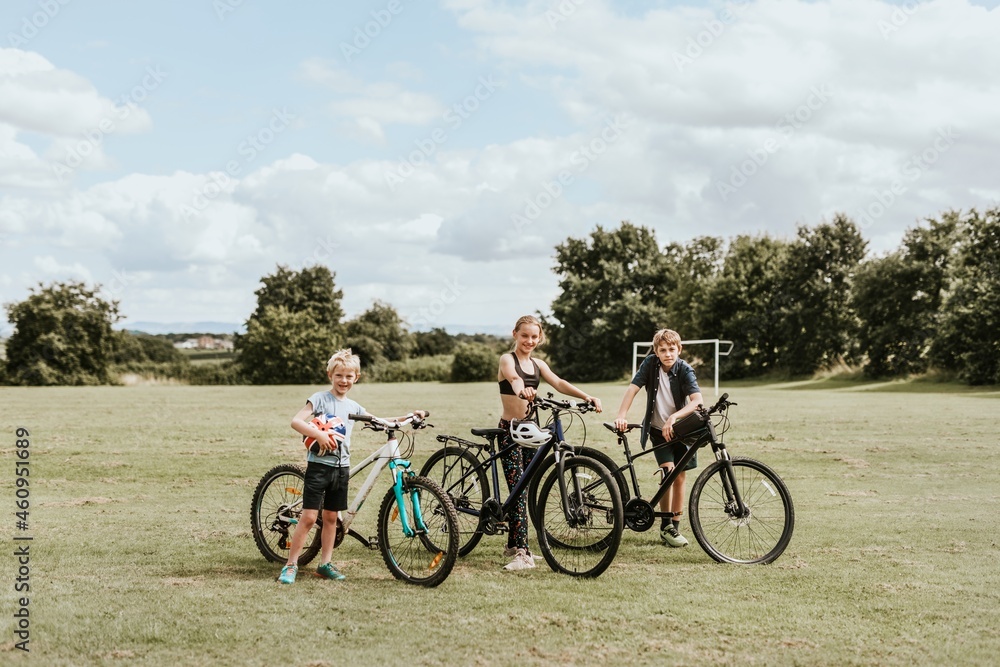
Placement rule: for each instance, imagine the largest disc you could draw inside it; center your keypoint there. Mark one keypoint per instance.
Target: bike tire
(280, 488)
(460, 474)
(421, 559)
(591, 452)
(758, 538)
(586, 546)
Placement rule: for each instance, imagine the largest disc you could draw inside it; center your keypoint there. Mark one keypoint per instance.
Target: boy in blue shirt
(672, 392)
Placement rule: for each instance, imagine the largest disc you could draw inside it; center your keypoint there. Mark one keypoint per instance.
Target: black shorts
(672, 453)
(326, 485)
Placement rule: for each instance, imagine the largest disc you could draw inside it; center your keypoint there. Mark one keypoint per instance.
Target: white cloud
(368, 106)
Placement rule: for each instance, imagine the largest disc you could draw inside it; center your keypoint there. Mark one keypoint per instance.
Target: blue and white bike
(417, 523)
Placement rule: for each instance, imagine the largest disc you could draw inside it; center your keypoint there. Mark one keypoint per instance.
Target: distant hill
(158, 328)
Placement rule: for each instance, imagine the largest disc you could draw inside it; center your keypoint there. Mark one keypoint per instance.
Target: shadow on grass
(906, 386)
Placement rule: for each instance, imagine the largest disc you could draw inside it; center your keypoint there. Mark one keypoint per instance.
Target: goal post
(722, 348)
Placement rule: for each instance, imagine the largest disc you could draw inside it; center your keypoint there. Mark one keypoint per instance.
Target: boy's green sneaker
(672, 538)
(328, 571)
(288, 573)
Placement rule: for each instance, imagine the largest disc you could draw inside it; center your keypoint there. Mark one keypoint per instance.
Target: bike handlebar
(548, 403)
(720, 405)
(380, 424)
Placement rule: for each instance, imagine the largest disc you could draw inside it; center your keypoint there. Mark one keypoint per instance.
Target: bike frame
(556, 443)
(718, 449)
(387, 455)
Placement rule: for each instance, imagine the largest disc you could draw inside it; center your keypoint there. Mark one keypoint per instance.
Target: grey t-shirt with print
(324, 402)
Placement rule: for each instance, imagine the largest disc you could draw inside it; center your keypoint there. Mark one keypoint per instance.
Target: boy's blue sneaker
(328, 571)
(288, 573)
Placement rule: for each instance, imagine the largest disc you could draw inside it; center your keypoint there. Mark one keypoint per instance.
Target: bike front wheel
(424, 557)
(462, 477)
(579, 534)
(761, 532)
(274, 511)
(589, 452)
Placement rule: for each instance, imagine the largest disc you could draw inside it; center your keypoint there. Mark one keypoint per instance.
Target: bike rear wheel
(424, 558)
(460, 475)
(758, 536)
(584, 543)
(277, 501)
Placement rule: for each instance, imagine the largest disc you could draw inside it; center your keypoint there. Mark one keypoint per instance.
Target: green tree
(819, 326)
(310, 289)
(474, 362)
(614, 287)
(744, 304)
(431, 343)
(969, 336)
(378, 335)
(898, 299)
(62, 336)
(282, 346)
(294, 329)
(693, 268)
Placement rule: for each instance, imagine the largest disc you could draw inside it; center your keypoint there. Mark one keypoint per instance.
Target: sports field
(142, 552)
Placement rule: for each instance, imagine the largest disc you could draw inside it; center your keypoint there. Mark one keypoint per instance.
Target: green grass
(142, 551)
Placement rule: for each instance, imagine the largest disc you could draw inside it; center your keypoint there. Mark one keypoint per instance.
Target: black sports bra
(529, 380)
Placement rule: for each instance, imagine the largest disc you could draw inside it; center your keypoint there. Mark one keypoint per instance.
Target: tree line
(64, 335)
(791, 306)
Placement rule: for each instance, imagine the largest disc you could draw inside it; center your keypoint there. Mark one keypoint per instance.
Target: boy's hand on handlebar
(668, 428)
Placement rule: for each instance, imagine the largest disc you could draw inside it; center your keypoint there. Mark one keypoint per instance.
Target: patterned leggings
(513, 467)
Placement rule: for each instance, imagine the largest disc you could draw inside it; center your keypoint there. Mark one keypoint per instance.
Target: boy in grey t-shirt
(328, 471)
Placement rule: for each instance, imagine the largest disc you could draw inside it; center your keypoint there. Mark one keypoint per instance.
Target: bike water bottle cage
(527, 433)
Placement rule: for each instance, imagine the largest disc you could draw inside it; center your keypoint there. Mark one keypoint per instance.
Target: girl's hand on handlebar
(528, 394)
(596, 402)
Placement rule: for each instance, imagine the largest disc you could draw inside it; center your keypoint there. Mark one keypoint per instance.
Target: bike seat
(491, 433)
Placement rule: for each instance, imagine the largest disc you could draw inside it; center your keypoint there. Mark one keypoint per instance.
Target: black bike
(740, 510)
(580, 515)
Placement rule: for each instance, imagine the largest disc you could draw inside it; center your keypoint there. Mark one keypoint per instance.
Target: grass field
(142, 552)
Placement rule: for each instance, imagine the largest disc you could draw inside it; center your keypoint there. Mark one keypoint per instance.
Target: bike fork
(730, 486)
(399, 468)
(577, 492)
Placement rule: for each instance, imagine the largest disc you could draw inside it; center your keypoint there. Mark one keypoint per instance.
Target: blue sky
(434, 153)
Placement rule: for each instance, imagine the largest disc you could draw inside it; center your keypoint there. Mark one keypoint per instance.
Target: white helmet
(528, 433)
